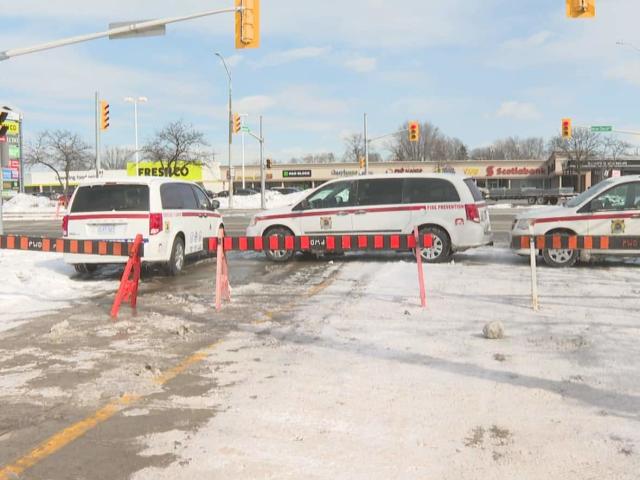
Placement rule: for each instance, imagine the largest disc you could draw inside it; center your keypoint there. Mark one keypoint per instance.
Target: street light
(621, 43)
(135, 102)
(242, 134)
(226, 68)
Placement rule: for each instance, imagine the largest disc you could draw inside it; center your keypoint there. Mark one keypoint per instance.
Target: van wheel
(176, 261)
(85, 268)
(560, 258)
(441, 249)
(279, 255)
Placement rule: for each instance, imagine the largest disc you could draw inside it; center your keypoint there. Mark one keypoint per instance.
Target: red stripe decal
(243, 243)
(362, 241)
(348, 209)
(346, 242)
(304, 243)
(581, 218)
(378, 242)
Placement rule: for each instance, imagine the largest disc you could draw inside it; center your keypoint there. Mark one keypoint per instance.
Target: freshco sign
(510, 171)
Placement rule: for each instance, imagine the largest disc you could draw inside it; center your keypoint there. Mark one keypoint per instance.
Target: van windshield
(111, 198)
(575, 201)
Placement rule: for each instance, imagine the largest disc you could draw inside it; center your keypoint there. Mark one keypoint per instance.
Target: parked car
(449, 207)
(609, 208)
(223, 194)
(285, 190)
(245, 192)
(172, 215)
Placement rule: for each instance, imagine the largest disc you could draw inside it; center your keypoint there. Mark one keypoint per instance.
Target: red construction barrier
(128, 290)
(316, 244)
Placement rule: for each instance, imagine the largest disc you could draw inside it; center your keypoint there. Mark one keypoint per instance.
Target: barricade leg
(128, 290)
(423, 294)
(534, 277)
(223, 290)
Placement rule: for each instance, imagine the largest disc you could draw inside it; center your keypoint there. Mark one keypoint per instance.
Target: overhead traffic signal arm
(247, 23)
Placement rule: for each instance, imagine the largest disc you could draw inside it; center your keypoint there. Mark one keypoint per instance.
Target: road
(236, 222)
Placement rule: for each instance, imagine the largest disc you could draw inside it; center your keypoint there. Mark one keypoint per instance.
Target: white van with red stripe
(610, 208)
(173, 216)
(449, 207)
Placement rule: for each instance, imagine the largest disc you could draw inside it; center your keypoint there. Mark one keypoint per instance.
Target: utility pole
(21, 155)
(366, 147)
(230, 173)
(263, 203)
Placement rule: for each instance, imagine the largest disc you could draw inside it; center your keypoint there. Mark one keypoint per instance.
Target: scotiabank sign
(493, 171)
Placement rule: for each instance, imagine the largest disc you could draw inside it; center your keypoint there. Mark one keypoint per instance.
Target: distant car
(243, 192)
(609, 208)
(286, 190)
(210, 193)
(449, 207)
(223, 194)
(173, 216)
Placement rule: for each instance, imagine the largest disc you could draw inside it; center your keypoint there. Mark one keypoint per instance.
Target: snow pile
(272, 200)
(36, 283)
(23, 202)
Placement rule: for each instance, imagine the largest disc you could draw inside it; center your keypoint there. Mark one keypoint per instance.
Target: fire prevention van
(174, 217)
(449, 207)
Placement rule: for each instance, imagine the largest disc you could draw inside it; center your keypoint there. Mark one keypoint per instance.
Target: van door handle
(360, 212)
(342, 213)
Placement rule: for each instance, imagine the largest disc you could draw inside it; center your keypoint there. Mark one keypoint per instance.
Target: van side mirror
(215, 204)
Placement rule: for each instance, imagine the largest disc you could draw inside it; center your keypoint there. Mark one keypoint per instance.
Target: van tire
(176, 260)
(85, 268)
(441, 245)
(280, 256)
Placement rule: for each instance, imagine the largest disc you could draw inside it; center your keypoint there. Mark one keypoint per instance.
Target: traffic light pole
(366, 147)
(97, 134)
(263, 203)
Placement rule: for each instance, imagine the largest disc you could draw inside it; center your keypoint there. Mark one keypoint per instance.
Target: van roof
(449, 176)
(134, 181)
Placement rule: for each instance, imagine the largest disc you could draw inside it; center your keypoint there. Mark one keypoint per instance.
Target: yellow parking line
(75, 431)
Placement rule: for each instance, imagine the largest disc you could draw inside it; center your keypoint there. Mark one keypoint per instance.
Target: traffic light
(237, 123)
(104, 115)
(4, 113)
(362, 162)
(414, 131)
(581, 8)
(268, 163)
(248, 24)
(566, 128)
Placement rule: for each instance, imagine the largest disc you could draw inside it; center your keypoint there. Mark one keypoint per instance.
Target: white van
(174, 217)
(610, 208)
(449, 207)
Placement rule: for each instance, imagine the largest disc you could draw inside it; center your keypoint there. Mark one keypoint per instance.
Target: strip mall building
(555, 172)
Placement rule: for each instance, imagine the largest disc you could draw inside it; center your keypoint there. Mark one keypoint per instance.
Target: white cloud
(626, 71)
(255, 104)
(361, 64)
(293, 55)
(535, 40)
(518, 111)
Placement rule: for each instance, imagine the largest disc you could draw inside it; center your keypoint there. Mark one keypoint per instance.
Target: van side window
(429, 190)
(382, 191)
(334, 195)
(178, 196)
(201, 197)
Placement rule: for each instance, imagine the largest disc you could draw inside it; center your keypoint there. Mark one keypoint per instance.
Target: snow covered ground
(363, 383)
(35, 283)
(272, 200)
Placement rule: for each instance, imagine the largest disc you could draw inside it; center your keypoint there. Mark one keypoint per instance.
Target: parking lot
(330, 358)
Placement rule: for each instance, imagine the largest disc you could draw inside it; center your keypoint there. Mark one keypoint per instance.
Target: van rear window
(111, 198)
(473, 188)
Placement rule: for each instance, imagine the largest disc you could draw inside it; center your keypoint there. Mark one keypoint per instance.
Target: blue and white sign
(6, 174)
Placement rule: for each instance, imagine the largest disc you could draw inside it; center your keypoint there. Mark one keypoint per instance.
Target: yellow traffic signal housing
(566, 128)
(104, 115)
(581, 8)
(414, 131)
(237, 123)
(362, 162)
(248, 24)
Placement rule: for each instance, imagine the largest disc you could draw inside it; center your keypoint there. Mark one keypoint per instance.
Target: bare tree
(615, 148)
(62, 152)
(354, 147)
(116, 158)
(582, 146)
(512, 148)
(176, 143)
(432, 145)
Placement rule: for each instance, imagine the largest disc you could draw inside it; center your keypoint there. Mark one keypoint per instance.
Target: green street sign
(245, 129)
(602, 128)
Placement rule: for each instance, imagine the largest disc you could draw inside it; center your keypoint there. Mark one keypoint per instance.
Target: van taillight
(65, 225)
(473, 214)
(155, 223)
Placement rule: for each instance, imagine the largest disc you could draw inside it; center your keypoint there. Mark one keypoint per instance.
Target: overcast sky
(479, 69)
